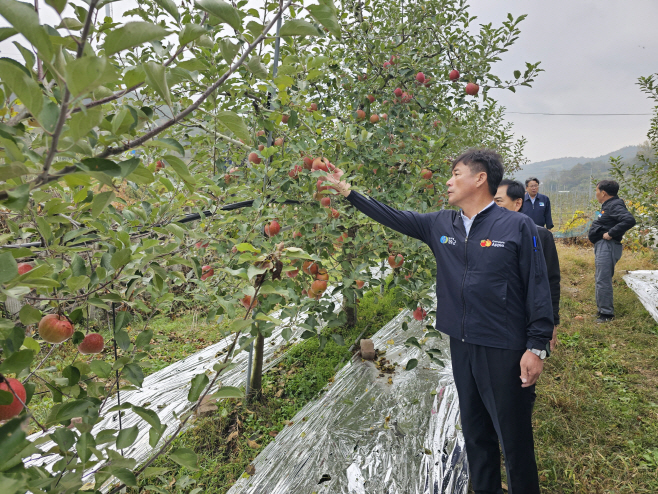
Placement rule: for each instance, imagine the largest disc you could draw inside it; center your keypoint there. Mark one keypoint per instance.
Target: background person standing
(536, 205)
(606, 233)
(510, 196)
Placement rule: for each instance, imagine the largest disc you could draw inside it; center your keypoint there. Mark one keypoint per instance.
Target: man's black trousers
(494, 407)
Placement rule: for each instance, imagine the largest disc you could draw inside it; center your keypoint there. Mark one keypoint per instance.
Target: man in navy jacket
(495, 304)
(536, 205)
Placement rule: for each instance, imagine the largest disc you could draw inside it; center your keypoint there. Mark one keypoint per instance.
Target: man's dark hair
(515, 189)
(484, 160)
(532, 179)
(609, 186)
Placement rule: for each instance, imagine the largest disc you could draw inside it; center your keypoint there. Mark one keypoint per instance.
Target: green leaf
(16, 362)
(170, 7)
(87, 73)
(517, 74)
(127, 436)
(101, 165)
(18, 79)
(132, 34)
(228, 50)
(32, 344)
(12, 170)
(75, 283)
(25, 20)
(149, 416)
(7, 32)
(233, 122)
(191, 32)
(228, 392)
(222, 10)
(100, 202)
(255, 66)
(141, 176)
(326, 15)
(120, 258)
(253, 271)
(72, 409)
(101, 368)
(153, 472)
(412, 341)
(13, 440)
(58, 5)
(63, 437)
(156, 78)
(123, 339)
(338, 339)
(82, 122)
(199, 383)
(143, 338)
(184, 457)
(8, 267)
(18, 198)
(411, 364)
(84, 445)
(299, 27)
(124, 475)
(134, 374)
(180, 168)
(6, 397)
(29, 315)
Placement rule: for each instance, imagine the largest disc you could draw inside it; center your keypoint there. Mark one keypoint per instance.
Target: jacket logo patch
(448, 240)
(541, 203)
(491, 243)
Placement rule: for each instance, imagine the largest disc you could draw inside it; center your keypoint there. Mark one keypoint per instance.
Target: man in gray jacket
(606, 233)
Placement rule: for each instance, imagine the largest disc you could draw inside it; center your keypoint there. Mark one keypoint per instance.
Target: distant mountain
(541, 169)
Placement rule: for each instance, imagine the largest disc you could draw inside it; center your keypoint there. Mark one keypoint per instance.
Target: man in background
(536, 205)
(510, 196)
(606, 233)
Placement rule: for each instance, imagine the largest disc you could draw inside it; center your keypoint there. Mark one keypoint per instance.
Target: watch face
(542, 354)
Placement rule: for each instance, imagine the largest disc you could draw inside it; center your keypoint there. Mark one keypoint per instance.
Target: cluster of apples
(319, 284)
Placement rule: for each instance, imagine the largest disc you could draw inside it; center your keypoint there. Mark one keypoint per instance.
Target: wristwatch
(542, 354)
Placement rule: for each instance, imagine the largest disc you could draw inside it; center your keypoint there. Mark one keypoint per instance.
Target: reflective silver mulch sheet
(645, 286)
(364, 435)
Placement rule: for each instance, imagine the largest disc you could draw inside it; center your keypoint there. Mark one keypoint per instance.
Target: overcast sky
(592, 53)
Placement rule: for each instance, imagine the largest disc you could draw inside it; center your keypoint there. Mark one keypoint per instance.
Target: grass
(596, 416)
(227, 441)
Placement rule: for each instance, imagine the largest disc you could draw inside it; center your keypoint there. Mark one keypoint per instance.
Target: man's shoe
(603, 318)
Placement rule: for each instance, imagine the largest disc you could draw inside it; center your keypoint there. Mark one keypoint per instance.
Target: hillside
(542, 169)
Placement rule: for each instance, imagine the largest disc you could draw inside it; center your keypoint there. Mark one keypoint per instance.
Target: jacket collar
(527, 196)
(458, 223)
(603, 206)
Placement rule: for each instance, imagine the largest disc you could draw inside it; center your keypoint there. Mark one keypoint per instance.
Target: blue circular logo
(444, 239)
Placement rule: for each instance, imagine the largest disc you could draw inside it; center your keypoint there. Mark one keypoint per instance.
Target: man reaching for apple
(493, 296)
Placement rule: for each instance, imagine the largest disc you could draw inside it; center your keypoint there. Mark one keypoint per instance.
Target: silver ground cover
(366, 435)
(645, 285)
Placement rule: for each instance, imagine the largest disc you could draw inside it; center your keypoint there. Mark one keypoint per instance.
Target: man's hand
(339, 185)
(531, 367)
(606, 236)
(554, 339)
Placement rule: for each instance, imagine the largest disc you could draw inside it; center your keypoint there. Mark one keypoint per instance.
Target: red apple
(24, 267)
(325, 202)
(360, 114)
(295, 171)
(360, 283)
(322, 274)
(292, 274)
(454, 75)
(319, 185)
(321, 164)
(319, 286)
(246, 302)
(397, 92)
(374, 119)
(54, 328)
(272, 229)
(426, 174)
(309, 267)
(371, 98)
(15, 407)
(297, 234)
(207, 272)
(308, 163)
(420, 77)
(284, 118)
(384, 116)
(159, 165)
(278, 141)
(472, 88)
(406, 98)
(386, 65)
(253, 157)
(334, 213)
(419, 314)
(314, 107)
(92, 343)
(260, 133)
(395, 261)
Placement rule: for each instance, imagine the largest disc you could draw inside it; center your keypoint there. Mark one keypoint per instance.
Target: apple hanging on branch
(419, 314)
(15, 407)
(395, 261)
(91, 344)
(24, 267)
(272, 229)
(472, 89)
(206, 272)
(55, 329)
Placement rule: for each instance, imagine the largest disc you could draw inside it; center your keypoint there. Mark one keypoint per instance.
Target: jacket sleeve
(416, 225)
(532, 266)
(549, 217)
(553, 268)
(625, 220)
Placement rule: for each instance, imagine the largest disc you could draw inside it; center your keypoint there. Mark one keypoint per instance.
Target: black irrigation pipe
(186, 219)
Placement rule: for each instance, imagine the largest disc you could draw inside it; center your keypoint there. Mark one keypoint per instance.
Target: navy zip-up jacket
(540, 211)
(492, 287)
(615, 219)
